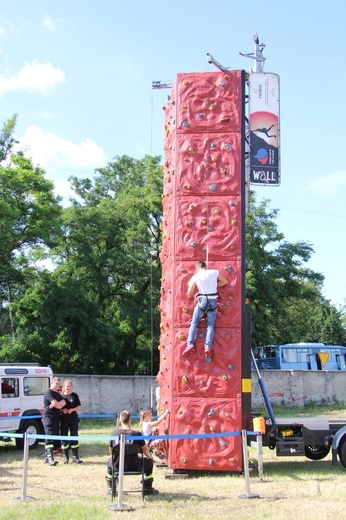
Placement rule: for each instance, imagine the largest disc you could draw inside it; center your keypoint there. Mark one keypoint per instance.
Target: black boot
(109, 485)
(148, 487)
(50, 457)
(75, 458)
(66, 456)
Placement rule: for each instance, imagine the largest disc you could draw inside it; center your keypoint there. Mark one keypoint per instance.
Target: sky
(79, 76)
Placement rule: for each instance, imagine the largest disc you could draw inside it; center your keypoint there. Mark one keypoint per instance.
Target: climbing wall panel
(206, 416)
(203, 220)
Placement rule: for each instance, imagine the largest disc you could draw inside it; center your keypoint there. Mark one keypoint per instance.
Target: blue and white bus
(301, 356)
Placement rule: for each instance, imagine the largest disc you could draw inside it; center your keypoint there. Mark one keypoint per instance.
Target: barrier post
(24, 496)
(260, 456)
(120, 506)
(247, 493)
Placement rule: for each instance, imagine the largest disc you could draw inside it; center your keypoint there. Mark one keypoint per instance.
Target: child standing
(147, 423)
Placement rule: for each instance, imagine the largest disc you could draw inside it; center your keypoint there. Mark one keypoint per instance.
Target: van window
(36, 385)
(9, 387)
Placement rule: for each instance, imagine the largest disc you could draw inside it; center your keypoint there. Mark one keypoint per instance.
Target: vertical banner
(264, 103)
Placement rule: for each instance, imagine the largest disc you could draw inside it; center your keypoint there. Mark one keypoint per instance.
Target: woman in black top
(69, 421)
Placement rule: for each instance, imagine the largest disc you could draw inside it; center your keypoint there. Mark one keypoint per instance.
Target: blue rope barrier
(109, 438)
(138, 437)
(82, 416)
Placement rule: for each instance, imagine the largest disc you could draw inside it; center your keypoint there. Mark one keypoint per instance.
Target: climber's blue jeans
(206, 306)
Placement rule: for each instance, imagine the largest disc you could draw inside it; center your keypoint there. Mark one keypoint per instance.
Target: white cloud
(34, 76)
(48, 148)
(330, 184)
(61, 158)
(52, 25)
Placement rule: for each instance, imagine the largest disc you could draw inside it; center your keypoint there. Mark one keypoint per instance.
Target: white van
(22, 389)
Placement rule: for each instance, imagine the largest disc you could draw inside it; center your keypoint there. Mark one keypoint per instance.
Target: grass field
(291, 486)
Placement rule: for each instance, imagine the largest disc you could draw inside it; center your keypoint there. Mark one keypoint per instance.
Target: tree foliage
(285, 296)
(29, 216)
(96, 311)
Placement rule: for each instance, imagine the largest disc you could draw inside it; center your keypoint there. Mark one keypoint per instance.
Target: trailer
(312, 437)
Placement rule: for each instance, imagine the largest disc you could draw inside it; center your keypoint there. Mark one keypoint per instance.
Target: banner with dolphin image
(264, 125)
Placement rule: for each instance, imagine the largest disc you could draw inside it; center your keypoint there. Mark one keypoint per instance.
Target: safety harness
(208, 305)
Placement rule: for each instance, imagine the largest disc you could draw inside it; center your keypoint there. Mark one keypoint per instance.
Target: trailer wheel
(30, 427)
(342, 451)
(316, 452)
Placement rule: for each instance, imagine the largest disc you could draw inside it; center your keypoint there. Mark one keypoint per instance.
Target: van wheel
(316, 452)
(29, 427)
(342, 451)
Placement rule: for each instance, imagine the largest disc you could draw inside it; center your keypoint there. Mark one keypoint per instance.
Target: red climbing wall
(203, 220)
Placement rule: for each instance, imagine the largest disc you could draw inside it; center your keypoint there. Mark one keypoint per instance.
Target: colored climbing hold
(186, 124)
(223, 171)
(228, 147)
(193, 244)
(185, 82)
(185, 309)
(188, 223)
(192, 150)
(217, 211)
(224, 119)
(184, 379)
(213, 187)
(224, 377)
(212, 106)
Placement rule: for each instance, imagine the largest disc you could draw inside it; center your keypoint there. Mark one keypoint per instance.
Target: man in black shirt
(53, 402)
(132, 462)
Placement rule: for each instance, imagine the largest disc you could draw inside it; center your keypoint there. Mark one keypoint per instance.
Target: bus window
(289, 355)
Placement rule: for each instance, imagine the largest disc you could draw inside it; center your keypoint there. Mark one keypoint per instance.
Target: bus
(301, 356)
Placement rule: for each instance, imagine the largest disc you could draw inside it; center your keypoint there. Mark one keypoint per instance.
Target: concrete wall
(299, 387)
(111, 394)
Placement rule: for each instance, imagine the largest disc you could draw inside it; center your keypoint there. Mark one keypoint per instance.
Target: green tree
(7, 140)
(107, 267)
(285, 295)
(29, 218)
